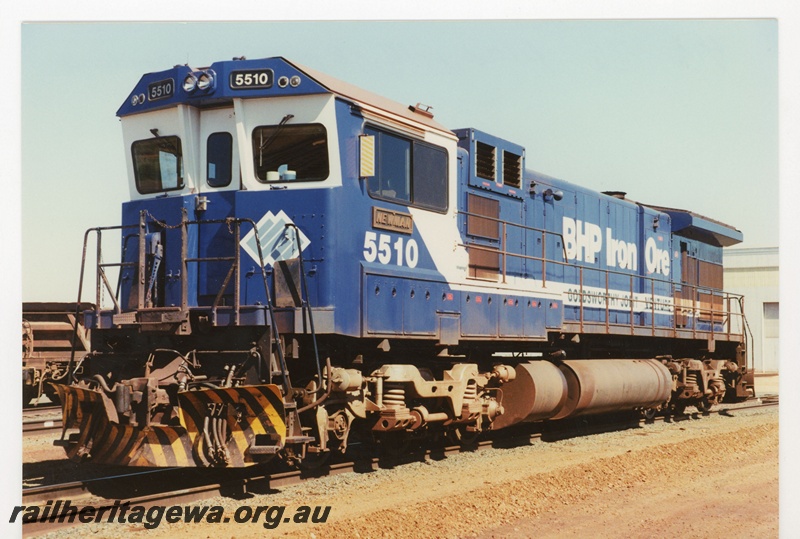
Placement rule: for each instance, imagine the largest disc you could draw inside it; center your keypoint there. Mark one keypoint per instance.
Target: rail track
(41, 419)
(146, 488)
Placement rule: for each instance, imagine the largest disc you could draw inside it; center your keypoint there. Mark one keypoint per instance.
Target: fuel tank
(544, 390)
(538, 392)
(611, 385)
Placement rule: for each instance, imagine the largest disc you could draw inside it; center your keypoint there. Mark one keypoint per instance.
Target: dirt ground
(703, 477)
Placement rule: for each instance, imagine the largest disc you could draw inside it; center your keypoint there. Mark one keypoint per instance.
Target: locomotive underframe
(192, 389)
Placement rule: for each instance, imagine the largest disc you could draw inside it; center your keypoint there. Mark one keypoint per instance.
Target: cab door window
(219, 159)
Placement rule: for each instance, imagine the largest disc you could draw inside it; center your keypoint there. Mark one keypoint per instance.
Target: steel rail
(40, 425)
(38, 420)
(238, 487)
(31, 410)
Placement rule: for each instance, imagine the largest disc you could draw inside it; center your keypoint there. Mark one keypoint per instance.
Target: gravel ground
(715, 476)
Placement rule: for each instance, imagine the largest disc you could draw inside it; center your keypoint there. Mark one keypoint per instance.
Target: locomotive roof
(684, 222)
(163, 89)
(699, 227)
(355, 93)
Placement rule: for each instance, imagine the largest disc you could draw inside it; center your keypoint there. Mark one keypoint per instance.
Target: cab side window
(408, 172)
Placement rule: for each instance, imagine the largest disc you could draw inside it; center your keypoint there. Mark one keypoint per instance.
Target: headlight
(206, 81)
(189, 83)
(295, 81)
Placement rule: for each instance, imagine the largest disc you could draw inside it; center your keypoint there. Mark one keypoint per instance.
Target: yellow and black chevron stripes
(250, 411)
(247, 412)
(164, 446)
(76, 402)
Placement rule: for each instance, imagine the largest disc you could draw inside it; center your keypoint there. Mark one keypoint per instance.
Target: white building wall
(753, 273)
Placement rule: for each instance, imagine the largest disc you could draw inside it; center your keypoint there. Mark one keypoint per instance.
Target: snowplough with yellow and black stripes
(210, 427)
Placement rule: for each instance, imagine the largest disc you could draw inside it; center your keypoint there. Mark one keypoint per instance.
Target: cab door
(219, 181)
(220, 161)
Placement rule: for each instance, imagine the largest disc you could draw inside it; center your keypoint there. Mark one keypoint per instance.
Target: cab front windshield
(287, 153)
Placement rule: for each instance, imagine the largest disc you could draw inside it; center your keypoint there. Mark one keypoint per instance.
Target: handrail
(233, 273)
(521, 227)
(100, 270)
(699, 309)
(748, 335)
(236, 269)
(306, 308)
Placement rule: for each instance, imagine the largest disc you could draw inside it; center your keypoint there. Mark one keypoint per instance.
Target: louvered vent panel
(512, 169)
(485, 160)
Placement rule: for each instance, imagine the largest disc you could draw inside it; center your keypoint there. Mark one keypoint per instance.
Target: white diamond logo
(278, 241)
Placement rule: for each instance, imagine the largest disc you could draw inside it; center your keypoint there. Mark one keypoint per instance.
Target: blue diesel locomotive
(303, 263)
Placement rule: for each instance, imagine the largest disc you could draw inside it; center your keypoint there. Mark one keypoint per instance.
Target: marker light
(283, 81)
(206, 80)
(189, 83)
(295, 81)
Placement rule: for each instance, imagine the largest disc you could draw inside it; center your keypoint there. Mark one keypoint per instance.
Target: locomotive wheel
(318, 459)
(461, 436)
(393, 444)
(677, 409)
(315, 461)
(704, 406)
(650, 414)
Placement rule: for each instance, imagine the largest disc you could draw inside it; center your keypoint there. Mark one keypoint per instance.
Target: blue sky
(676, 113)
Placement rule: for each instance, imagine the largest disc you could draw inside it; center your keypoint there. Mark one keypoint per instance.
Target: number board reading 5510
(253, 78)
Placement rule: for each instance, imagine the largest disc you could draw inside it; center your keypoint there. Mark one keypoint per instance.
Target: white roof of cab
(359, 95)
